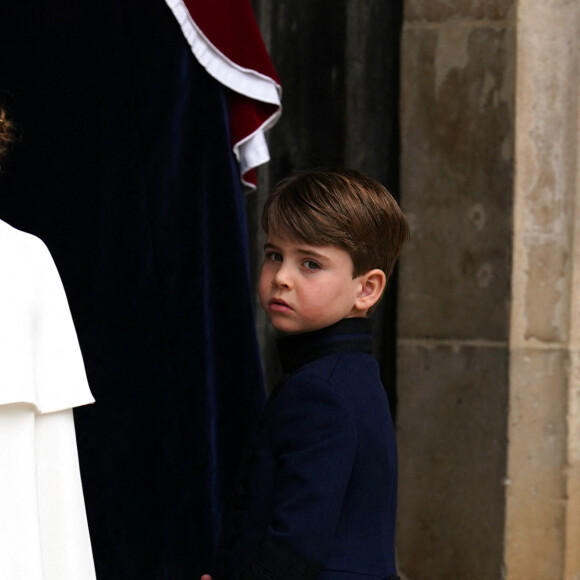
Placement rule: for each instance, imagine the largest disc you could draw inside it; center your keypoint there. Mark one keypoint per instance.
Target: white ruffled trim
(252, 150)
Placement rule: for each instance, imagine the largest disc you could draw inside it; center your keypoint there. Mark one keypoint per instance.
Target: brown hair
(6, 132)
(340, 207)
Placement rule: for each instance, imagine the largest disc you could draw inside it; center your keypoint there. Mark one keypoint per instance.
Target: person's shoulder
(19, 237)
(345, 366)
(351, 378)
(335, 368)
(22, 251)
(315, 381)
(308, 398)
(317, 372)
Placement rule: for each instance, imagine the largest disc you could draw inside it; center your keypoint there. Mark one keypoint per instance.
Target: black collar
(347, 335)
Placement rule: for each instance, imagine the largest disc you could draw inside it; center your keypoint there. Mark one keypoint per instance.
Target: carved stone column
(543, 492)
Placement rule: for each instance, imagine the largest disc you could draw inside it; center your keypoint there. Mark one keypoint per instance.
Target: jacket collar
(347, 335)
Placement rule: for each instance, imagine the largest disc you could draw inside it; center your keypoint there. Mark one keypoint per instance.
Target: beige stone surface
(545, 296)
(457, 161)
(490, 290)
(546, 149)
(457, 178)
(543, 507)
(444, 10)
(572, 527)
(451, 432)
(536, 494)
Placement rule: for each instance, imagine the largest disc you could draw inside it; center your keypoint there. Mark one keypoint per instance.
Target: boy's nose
(282, 278)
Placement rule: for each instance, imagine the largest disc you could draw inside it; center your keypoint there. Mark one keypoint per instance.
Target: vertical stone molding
(543, 503)
(453, 355)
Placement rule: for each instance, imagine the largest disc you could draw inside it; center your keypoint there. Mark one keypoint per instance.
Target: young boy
(316, 495)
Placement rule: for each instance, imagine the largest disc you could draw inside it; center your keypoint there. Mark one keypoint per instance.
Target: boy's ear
(372, 286)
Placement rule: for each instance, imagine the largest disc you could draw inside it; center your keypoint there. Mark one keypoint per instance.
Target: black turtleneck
(347, 335)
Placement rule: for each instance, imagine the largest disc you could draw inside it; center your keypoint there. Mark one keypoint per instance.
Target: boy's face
(304, 288)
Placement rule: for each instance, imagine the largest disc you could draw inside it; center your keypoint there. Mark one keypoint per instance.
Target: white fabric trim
(251, 151)
(242, 80)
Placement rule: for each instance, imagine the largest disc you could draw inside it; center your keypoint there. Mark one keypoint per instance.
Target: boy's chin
(295, 327)
(283, 326)
(286, 330)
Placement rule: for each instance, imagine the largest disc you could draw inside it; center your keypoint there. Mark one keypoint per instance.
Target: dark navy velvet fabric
(124, 169)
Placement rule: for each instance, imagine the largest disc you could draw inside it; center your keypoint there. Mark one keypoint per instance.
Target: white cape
(43, 525)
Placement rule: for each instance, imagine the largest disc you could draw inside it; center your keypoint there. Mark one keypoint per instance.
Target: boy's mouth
(279, 305)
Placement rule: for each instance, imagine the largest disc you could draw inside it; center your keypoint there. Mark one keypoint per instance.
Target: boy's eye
(311, 265)
(274, 256)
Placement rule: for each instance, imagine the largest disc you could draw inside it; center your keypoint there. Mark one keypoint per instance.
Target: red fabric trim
(231, 27)
(247, 115)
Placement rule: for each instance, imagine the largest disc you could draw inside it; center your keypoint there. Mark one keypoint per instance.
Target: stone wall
(489, 398)
(457, 182)
(543, 496)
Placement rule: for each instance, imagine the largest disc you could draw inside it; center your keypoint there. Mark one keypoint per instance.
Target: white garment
(43, 526)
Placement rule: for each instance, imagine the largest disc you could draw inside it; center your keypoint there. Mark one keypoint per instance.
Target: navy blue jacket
(316, 496)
